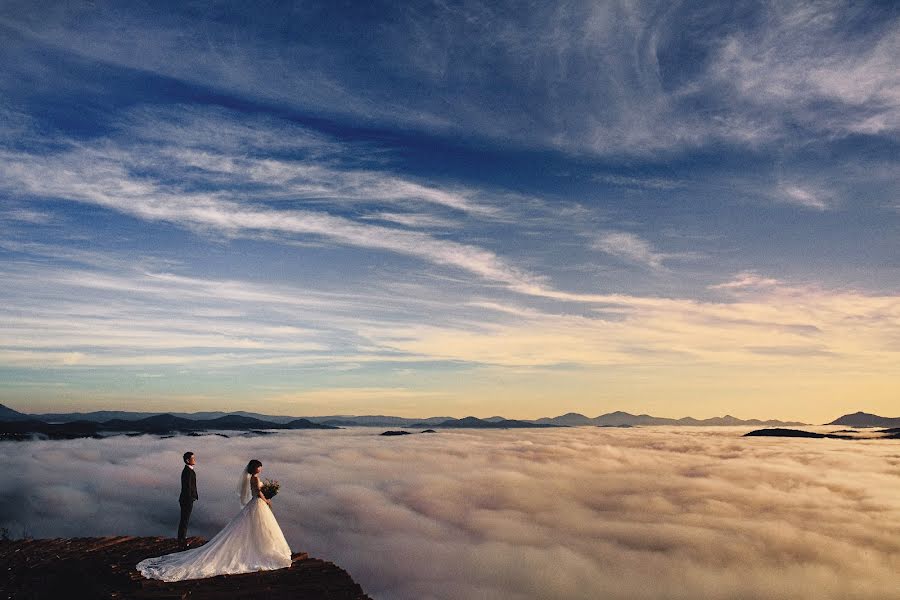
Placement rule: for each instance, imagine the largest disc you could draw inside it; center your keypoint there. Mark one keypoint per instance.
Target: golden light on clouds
(756, 347)
(577, 513)
(767, 344)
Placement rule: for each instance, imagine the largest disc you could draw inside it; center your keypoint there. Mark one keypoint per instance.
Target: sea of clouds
(562, 513)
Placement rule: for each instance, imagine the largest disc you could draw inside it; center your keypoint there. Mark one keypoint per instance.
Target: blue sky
(451, 208)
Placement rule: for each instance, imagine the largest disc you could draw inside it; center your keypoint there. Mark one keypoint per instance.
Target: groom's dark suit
(186, 500)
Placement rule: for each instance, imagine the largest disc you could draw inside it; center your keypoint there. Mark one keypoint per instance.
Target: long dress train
(252, 541)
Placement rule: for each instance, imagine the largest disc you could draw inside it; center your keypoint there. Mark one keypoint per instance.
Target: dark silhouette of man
(187, 497)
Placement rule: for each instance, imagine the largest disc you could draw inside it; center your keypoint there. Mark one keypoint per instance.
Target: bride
(252, 541)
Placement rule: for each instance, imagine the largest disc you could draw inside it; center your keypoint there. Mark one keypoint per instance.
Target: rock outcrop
(104, 568)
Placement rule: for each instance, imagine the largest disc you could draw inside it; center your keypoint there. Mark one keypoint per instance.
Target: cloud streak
(609, 78)
(84, 322)
(166, 191)
(803, 196)
(795, 61)
(631, 248)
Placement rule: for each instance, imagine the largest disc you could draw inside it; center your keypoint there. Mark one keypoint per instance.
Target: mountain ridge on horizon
(19, 426)
(864, 419)
(616, 418)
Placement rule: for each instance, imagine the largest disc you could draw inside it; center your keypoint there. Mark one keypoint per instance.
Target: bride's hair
(253, 465)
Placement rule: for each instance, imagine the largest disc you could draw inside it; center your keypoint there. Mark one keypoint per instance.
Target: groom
(187, 497)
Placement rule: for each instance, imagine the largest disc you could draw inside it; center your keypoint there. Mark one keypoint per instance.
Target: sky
(581, 513)
(451, 208)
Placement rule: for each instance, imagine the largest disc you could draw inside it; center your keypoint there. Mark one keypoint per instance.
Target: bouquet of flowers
(269, 488)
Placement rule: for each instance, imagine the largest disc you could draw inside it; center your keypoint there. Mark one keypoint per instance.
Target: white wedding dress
(252, 541)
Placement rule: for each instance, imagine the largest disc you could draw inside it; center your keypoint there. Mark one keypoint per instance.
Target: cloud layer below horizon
(574, 513)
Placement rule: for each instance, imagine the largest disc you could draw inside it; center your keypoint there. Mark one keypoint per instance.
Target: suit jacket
(188, 485)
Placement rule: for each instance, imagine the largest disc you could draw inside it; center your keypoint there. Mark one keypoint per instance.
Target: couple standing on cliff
(252, 541)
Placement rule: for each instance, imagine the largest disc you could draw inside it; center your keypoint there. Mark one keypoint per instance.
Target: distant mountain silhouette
(862, 419)
(788, 433)
(240, 422)
(8, 414)
(623, 419)
(167, 422)
(568, 420)
(377, 421)
(243, 419)
(101, 416)
(156, 424)
(24, 429)
(395, 432)
(307, 424)
(887, 434)
(476, 423)
(728, 420)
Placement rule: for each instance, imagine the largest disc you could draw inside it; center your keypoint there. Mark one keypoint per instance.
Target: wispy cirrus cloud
(105, 175)
(804, 196)
(315, 197)
(747, 280)
(415, 221)
(531, 77)
(633, 249)
(854, 328)
(324, 182)
(796, 60)
(655, 183)
(101, 312)
(26, 215)
(112, 316)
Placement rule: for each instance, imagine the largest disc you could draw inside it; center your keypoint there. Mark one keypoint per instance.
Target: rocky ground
(104, 568)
